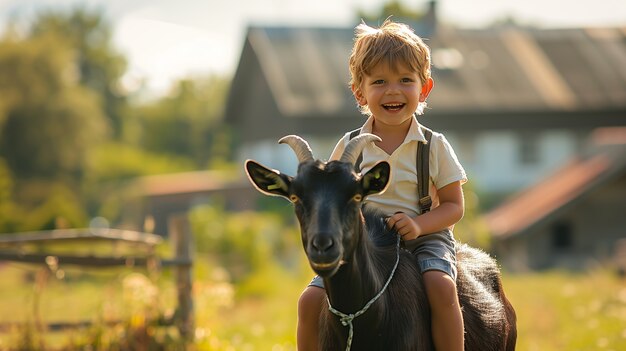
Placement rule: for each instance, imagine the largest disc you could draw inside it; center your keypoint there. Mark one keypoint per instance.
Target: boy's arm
(450, 210)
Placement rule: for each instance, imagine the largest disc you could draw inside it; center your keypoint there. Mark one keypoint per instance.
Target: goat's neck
(359, 279)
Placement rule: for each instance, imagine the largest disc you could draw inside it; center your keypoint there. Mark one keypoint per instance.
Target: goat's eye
(357, 197)
(293, 198)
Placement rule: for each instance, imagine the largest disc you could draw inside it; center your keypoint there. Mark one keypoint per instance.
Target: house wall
(505, 161)
(603, 220)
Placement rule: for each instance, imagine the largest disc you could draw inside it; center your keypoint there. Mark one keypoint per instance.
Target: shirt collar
(415, 132)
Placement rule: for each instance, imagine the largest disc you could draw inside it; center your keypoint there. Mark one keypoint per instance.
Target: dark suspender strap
(423, 172)
(357, 164)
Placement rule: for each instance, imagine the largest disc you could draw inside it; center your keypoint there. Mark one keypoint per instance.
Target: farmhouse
(572, 219)
(515, 102)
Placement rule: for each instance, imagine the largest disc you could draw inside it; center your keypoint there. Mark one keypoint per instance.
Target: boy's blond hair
(393, 43)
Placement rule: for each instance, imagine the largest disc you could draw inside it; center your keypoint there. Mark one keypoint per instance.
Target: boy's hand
(404, 225)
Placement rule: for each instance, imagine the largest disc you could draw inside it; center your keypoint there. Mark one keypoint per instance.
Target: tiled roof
(306, 68)
(504, 69)
(542, 199)
(183, 183)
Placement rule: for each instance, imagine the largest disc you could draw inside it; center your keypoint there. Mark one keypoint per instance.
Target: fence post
(180, 234)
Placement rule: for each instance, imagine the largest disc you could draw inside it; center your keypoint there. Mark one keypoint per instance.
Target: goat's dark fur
(399, 319)
(403, 313)
(330, 217)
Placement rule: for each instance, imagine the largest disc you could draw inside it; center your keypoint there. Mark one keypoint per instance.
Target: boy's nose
(393, 89)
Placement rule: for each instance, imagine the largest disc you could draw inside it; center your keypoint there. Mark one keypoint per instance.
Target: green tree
(188, 122)
(10, 215)
(50, 122)
(99, 66)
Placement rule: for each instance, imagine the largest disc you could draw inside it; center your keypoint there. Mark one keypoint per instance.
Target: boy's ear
(358, 95)
(375, 181)
(426, 88)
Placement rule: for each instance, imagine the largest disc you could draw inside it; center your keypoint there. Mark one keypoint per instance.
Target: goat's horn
(355, 147)
(299, 146)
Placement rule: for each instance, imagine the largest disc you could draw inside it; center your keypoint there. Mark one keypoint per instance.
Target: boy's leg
(309, 309)
(446, 316)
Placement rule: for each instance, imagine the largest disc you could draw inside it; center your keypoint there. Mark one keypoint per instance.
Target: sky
(165, 40)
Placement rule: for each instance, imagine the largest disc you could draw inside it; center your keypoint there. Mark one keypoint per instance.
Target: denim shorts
(434, 252)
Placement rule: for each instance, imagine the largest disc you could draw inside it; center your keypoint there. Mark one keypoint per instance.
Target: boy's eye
(378, 81)
(407, 80)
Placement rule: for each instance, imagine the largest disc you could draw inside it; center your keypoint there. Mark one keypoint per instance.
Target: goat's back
(488, 316)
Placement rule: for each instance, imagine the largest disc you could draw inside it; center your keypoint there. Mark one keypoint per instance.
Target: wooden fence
(17, 247)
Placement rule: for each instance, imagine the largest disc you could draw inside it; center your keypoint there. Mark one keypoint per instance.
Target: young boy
(390, 80)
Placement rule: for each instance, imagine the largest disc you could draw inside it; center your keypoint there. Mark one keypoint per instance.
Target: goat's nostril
(322, 243)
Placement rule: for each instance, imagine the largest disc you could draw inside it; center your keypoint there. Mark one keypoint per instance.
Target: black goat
(350, 250)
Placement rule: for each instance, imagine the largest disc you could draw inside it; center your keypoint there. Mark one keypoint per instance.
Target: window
(562, 238)
(529, 153)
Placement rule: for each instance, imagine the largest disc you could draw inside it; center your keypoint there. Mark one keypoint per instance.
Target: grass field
(556, 310)
(563, 311)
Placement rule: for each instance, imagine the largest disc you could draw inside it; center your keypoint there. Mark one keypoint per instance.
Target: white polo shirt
(401, 194)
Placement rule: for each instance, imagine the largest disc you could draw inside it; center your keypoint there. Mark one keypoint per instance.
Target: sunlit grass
(261, 314)
(556, 310)
(565, 311)
(32, 296)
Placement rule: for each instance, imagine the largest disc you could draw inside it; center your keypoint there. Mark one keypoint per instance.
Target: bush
(243, 242)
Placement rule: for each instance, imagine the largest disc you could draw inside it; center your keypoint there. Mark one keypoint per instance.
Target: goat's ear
(268, 181)
(375, 181)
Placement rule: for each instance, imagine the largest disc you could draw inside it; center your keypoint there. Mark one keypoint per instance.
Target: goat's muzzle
(324, 254)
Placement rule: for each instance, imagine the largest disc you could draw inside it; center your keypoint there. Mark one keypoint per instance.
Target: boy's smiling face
(392, 92)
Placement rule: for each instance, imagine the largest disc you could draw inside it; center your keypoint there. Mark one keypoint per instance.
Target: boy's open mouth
(393, 107)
